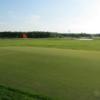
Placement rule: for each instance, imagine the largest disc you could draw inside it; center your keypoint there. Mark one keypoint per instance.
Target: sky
(50, 15)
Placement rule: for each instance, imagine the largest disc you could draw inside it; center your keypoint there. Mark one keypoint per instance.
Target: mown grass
(53, 43)
(61, 73)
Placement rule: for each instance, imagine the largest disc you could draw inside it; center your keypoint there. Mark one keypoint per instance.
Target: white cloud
(88, 21)
(20, 23)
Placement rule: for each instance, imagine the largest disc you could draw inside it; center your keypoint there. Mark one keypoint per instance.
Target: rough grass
(7, 93)
(61, 74)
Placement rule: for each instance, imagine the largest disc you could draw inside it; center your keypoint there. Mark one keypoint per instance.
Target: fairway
(59, 69)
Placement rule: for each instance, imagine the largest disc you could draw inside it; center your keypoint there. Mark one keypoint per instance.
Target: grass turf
(71, 73)
(7, 93)
(53, 43)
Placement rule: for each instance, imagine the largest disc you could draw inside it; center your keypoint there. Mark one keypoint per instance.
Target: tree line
(39, 34)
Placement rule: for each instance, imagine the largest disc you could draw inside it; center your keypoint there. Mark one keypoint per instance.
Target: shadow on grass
(7, 93)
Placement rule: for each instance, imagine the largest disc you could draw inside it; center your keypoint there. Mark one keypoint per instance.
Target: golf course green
(55, 69)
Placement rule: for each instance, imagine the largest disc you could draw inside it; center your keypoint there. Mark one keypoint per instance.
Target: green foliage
(42, 34)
